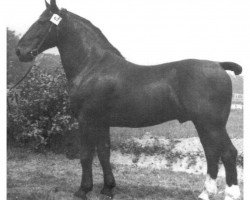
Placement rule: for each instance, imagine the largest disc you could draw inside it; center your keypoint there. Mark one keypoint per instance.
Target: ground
(35, 177)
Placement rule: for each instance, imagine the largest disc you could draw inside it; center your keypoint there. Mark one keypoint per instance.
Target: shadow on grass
(39, 188)
(128, 191)
(36, 187)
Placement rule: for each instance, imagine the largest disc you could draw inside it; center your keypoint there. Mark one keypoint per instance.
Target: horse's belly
(141, 112)
(136, 122)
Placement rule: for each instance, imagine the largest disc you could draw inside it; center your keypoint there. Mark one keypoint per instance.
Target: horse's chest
(90, 97)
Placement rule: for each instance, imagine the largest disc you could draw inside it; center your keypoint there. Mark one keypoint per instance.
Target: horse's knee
(85, 157)
(87, 153)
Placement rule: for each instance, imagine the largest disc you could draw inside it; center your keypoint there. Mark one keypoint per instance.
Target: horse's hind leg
(229, 156)
(103, 151)
(217, 144)
(211, 142)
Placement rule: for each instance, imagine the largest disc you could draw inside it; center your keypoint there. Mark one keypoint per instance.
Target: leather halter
(35, 52)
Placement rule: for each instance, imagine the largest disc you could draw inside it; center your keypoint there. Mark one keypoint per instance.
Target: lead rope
(35, 52)
(28, 71)
(31, 66)
(8, 103)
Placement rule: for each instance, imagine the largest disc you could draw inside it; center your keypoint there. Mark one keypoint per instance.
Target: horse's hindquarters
(206, 92)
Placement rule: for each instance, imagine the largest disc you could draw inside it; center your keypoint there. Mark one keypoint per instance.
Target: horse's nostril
(18, 52)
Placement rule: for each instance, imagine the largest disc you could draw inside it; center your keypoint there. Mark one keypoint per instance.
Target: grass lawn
(174, 129)
(32, 176)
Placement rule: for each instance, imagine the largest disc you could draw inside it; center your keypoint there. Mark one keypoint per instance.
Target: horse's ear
(53, 6)
(47, 4)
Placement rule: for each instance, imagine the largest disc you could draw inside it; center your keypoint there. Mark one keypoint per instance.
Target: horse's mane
(100, 39)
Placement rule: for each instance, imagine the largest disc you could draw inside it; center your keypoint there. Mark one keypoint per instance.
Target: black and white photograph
(125, 100)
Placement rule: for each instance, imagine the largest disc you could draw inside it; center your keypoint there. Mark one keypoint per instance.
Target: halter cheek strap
(55, 19)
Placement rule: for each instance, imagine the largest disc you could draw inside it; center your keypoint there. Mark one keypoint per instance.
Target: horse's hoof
(81, 194)
(107, 194)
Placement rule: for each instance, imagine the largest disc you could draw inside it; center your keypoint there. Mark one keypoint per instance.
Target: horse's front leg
(87, 149)
(103, 151)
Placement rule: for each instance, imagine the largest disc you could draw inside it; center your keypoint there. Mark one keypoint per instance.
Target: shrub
(38, 109)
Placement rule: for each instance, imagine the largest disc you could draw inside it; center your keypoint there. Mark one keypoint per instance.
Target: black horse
(106, 90)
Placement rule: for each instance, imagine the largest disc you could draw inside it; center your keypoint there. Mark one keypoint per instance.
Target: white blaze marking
(232, 193)
(55, 19)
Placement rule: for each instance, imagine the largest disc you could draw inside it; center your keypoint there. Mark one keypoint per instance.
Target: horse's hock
(185, 154)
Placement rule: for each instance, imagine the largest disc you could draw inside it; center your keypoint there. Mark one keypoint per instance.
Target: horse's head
(42, 35)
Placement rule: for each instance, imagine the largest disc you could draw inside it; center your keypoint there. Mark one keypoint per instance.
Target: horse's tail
(237, 69)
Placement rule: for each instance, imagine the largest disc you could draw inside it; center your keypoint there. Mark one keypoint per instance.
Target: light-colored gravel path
(185, 146)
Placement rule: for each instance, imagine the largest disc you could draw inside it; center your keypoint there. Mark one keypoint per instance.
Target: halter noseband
(55, 19)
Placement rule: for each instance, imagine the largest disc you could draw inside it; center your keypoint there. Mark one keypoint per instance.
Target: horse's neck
(75, 45)
(91, 34)
(73, 52)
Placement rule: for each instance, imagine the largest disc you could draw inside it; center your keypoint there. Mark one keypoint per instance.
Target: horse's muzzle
(26, 57)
